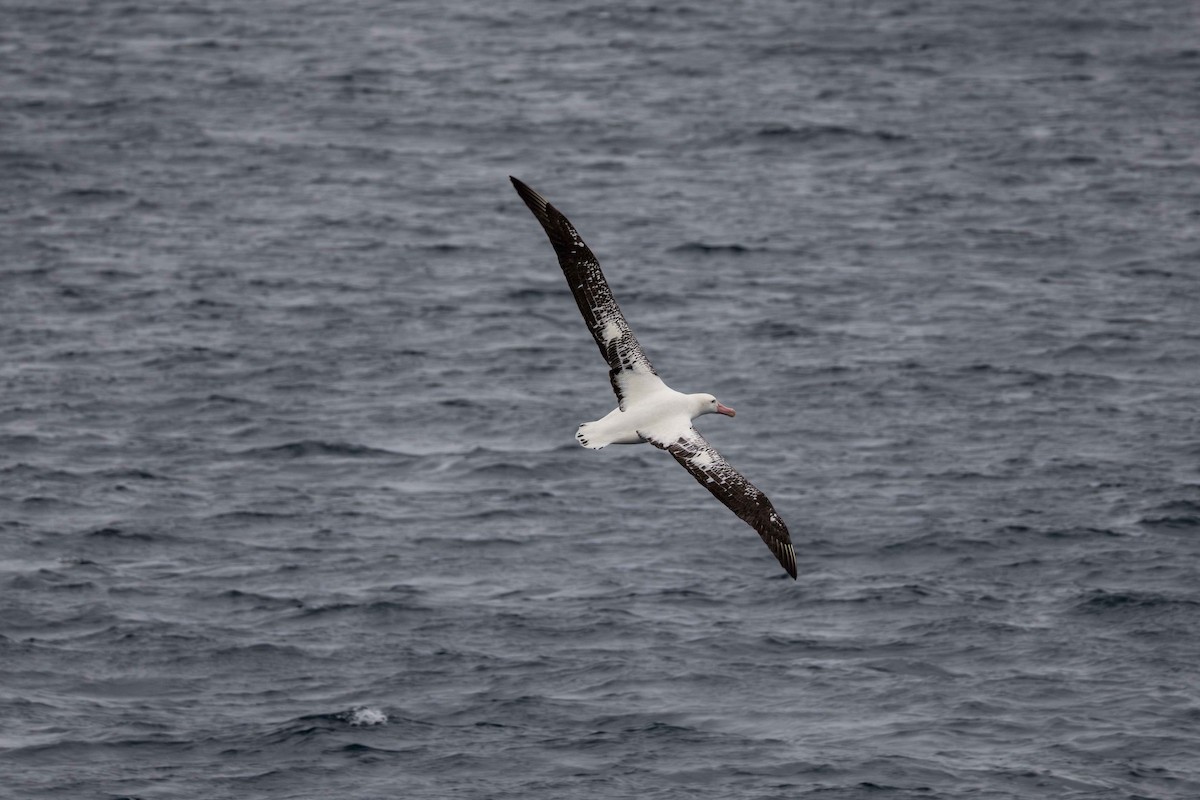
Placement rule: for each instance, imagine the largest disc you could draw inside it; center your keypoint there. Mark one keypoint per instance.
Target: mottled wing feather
(730, 487)
(629, 370)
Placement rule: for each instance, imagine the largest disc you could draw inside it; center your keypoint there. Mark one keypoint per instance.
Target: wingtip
(537, 204)
(522, 187)
(790, 564)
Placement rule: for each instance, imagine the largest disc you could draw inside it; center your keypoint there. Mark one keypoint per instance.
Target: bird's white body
(661, 413)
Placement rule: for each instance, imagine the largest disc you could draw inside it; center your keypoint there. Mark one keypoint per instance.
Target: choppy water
(290, 504)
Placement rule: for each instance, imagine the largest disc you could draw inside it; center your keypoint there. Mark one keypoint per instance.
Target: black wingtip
(535, 201)
(786, 555)
(559, 230)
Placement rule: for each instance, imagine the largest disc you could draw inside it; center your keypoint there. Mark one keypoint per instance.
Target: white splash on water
(363, 716)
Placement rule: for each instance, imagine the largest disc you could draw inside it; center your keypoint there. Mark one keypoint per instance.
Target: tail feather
(588, 439)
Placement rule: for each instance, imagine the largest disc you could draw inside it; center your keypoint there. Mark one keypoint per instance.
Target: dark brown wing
(730, 487)
(629, 371)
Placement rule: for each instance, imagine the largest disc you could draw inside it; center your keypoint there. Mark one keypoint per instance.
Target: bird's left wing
(629, 371)
(730, 487)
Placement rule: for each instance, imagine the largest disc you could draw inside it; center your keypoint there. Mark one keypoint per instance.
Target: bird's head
(707, 404)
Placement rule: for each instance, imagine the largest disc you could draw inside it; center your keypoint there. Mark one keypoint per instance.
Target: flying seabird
(648, 410)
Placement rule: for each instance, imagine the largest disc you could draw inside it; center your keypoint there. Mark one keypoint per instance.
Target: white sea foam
(364, 716)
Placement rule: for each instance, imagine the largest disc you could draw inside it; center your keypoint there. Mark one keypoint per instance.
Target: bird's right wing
(629, 371)
(730, 487)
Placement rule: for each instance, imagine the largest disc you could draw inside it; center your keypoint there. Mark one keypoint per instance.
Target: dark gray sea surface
(290, 501)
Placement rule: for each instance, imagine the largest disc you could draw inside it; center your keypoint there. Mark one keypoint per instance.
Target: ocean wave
(371, 608)
(1101, 600)
(709, 249)
(314, 725)
(31, 472)
(812, 132)
(1174, 514)
(120, 534)
(308, 448)
(257, 601)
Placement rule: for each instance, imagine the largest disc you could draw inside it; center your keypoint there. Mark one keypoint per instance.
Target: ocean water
(290, 503)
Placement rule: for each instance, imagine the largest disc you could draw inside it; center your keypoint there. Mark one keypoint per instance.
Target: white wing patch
(611, 331)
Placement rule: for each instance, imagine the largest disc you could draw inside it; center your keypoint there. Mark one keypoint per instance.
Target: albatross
(647, 409)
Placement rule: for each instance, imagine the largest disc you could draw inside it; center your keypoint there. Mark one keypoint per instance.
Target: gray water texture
(290, 503)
